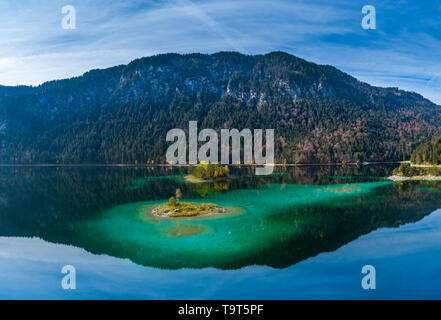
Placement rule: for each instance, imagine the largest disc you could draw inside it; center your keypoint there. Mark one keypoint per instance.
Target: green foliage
(208, 171)
(435, 171)
(403, 170)
(187, 209)
(406, 170)
(178, 194)
(428, 153)
(172, 201)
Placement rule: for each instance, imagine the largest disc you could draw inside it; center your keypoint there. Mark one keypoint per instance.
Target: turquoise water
(264, 220)
(301, 233)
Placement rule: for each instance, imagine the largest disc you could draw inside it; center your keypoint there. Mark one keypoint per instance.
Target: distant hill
(428, 153)
(122, 114)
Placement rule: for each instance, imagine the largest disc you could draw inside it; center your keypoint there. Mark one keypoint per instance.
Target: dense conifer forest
(122, 114)
(428, 153)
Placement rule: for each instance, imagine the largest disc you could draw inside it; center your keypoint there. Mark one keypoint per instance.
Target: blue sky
(404, 51)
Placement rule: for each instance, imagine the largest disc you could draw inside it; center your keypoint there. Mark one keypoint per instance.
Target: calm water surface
(301, 233)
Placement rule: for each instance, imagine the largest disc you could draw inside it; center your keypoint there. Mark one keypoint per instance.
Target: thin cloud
(404, 49)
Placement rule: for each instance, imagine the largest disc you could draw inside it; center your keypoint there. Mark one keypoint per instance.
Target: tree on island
(178, 194)
(172, 201)
(185, 209)
(208, 171)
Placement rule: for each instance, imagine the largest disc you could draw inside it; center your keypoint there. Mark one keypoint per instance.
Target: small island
(174, 208)
(206, 172)
(425, 163)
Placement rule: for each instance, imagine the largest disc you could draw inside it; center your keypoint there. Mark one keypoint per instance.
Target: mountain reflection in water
(290, 216)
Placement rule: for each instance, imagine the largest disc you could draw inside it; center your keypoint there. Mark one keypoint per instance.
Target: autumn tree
(178, 194)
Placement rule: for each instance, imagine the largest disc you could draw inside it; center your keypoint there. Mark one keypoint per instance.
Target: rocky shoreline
(187, 210)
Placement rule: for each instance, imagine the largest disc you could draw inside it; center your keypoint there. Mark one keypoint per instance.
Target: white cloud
(34, 48)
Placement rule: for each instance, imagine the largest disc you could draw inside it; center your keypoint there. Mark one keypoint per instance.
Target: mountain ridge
(121, 114)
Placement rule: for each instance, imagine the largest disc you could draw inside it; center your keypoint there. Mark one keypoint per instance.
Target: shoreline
(425, 165)
(186, 210)
(146, 212)
(415, 178)
(160, 211)
(187, 165)
(190, 178)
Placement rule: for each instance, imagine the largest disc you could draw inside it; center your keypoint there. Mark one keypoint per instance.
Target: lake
(300, 233)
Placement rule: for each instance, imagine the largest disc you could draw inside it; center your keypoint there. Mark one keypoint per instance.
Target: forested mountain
(122, 114)
(428, 153)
